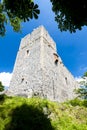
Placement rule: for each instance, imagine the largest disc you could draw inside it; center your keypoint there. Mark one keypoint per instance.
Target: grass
(18, 113)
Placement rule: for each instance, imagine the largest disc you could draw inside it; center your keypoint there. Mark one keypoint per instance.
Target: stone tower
(39, 71)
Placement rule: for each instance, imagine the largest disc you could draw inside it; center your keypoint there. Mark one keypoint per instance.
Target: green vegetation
(15, 12)
(69, 14)
(85, 74)
(82, 91)
(1, 89)
(18, 113)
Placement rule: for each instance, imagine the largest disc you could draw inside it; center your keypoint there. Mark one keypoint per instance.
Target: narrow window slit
(22, 80)
(66, 79)
(27, 52)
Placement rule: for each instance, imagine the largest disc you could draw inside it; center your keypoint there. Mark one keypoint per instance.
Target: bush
(1, 87)
(2, 96)
(28, 117)
(18, 113)
(78, 102)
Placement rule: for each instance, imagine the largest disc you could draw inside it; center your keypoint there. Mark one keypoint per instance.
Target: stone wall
(39, 71)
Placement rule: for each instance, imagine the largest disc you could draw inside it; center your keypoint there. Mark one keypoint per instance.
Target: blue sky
(72, 48)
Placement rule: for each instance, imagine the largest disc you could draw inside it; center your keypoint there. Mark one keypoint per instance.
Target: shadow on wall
(28, 118)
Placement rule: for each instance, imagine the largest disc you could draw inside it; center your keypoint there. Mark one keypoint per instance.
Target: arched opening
(27, 52)
(55, 58)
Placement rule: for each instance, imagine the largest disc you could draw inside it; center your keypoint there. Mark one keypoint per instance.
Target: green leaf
(35, 15)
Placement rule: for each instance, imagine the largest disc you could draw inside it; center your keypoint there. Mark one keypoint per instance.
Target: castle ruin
(39, 71)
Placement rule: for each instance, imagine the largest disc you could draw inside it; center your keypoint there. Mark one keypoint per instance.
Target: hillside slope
(17, 113)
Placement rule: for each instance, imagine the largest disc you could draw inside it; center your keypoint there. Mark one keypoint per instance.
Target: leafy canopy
(69, 14)
(15, 12)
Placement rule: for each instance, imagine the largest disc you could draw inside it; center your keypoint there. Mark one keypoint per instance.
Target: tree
(85, 74)
(1, 87)
(2, 95)
(70, 14)
(82, 91)
(15, 12)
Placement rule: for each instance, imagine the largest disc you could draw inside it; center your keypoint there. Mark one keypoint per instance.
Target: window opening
(26, 82)
(66, 79)
(22, 80)
(56, 61)
(55, 58)
(27, 52)
(49, 45)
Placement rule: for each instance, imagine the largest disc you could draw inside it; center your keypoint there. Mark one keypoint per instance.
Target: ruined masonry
(39, 71)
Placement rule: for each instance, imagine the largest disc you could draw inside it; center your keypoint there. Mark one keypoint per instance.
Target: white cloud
(78, 79)
(5, 78)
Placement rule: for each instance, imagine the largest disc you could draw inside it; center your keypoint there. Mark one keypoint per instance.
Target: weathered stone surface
(39, 71)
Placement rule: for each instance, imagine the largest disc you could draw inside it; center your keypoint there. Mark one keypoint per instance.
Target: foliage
(82, 91)
(35, 113)
(27, 117)
(23, 9)
(15, 12)
(78, 102)
(85, 74)
(70, 14)
(1, 87)
(3, 20)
